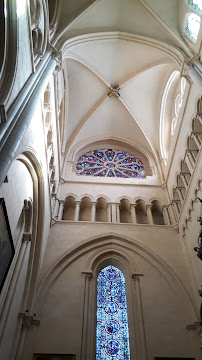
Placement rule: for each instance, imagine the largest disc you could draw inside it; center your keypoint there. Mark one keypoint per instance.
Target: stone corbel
(27, 237)
(136, 277)
(53, 221)
(176, 228)
(61, 181)
(88, 274)
(57, 55)
(28, 321)
(52, 29)
(47, 108)
(195, 327)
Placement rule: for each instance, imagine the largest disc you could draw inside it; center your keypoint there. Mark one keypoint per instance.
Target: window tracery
(110, 163)
(112, 335)
(196, 5)
(193, 23)
(178, 105)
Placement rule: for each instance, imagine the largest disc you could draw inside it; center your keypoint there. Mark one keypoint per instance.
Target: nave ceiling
(133, 43)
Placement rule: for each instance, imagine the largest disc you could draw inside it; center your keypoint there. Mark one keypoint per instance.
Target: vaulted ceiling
(133, 43)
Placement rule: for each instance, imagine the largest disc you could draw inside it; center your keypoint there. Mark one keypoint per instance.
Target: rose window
(110, 163)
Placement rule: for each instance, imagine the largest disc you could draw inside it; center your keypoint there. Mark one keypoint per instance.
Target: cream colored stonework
(58, 61)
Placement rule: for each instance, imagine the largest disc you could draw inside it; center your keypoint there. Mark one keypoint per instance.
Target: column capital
(93, 203)
(27, 237)
(133, 205)
(148, 206)
(28, 321)
(195, 327)
(137, 276)
(61, 201)
(88, 274)
(77, 202)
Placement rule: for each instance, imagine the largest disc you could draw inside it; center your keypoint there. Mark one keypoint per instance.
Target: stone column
(109, 212)
(196, 139)
(139, 315)
(77, 210)
(118, 213)
(172, 215)
(175, 209)
(149, 213)
(189, 163)
(133, 213)
(192, 160)
(165, 215)
(93, 211)
(61, 208)
(184, 181)
(179, 193)
(113, 209)
(84, 336)
(27, 322)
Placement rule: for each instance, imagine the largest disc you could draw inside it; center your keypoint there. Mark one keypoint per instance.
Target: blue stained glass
(112, 336)
(110, 163)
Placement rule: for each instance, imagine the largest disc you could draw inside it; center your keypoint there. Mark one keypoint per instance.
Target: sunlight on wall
(21, 7)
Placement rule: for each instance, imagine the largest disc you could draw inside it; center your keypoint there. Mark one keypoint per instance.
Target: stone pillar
(27, 322)
(61, 208)
(118, 213)
(184, 181)
(133, 213)
(113, 208)
(165, 215)
(189, 163)
(77, 210)
(172, 215)
(180, 194)
(139, 316)
(149, 213)
(93, 211)
(175, 209)
(109, 212)
(197, 140)
(192, 159)
(84, 336)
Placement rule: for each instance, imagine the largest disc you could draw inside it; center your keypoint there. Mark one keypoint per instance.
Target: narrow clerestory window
(193, 23)
(112, 335)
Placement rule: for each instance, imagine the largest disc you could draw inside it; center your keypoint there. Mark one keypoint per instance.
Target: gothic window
(193, 26)
(196, 5)
(112, 336)
(110, 163)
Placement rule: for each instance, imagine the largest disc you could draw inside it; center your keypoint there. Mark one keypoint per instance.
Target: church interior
(101, 180)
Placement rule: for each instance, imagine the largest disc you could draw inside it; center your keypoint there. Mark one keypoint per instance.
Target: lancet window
(193, 26)
(196, 5)
(112, 335)
(110, 163)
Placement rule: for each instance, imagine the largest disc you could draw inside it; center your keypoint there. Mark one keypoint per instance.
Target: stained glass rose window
(110, 163)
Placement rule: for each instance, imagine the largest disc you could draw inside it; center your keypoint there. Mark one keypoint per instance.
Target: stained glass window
(112, 336)
(193, 26)
(110, 163)
(196, 4)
